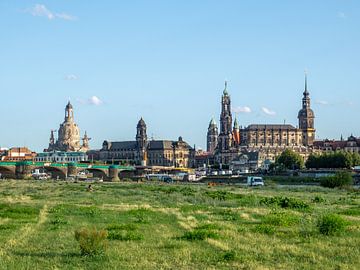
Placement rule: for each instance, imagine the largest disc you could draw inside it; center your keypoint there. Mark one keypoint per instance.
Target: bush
(340, 180)
(199, 234)
(318, 199)
(285, 202)
(266, 229)
(228, 256)
(331, 224)
(92, 241)
(281, 219)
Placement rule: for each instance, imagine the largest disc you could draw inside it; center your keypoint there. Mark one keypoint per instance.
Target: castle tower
(306, 118)
(141, 139)
(225, 137)
(212, 136)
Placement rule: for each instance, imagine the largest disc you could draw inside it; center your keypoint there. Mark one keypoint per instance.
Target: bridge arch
(55, 172)
(97, 173)
(7, 172)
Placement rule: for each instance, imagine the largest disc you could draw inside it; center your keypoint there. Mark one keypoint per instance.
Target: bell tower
(306, 118)
(225, 137)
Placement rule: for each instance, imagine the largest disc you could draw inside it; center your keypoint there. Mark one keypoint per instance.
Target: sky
(166, 61)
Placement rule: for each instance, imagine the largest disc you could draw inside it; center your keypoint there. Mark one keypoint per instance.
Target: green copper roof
(236, 124)
(225, 90)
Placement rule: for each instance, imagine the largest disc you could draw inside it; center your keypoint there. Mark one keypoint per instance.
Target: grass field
(158, 226)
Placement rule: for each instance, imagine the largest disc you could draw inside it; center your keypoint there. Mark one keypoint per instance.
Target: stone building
(63, 157)
(146, 152)
(17, 154)
(352, 144)
(270, 140)
(68, 135)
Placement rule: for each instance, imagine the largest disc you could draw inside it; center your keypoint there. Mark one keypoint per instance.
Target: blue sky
(167, 62)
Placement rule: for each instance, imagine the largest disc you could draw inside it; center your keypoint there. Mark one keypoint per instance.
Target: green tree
(290, 160)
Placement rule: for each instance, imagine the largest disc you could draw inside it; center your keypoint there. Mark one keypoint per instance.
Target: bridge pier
(113, 174)
(23, 170)
(72, 169)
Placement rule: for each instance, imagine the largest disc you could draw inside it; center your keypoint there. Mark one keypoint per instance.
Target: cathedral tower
(212, 136)
(306, 118)
(141, 139)
(225, 137)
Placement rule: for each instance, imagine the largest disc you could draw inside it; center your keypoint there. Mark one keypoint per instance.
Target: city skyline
(167, 63)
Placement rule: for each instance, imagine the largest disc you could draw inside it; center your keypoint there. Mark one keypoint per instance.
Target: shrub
(318, 199)
(219, 195)
(127, 227)
(228, 256)
(266, 229)
(199, 234)
(281, 219)
(331, 224)
(340, 179)
(285, 202)
(92, 241)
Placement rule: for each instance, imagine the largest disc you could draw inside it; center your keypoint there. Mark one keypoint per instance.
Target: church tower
(225, 137)
(141, 139)
(306, 119)
(236, 133)
(212, 136)
(68, 135)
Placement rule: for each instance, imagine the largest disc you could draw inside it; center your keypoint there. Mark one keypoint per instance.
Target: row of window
(60, 159)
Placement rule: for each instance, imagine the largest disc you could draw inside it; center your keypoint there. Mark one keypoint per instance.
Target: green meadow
(176, 226)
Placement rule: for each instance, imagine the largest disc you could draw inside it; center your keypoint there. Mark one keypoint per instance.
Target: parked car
(255, 181)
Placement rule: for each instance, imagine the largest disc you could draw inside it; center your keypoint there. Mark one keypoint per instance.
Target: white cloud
(322, 102)
(65, 16)
(268, 111)
(341, 15)
(71, 77)
(40, 10)
(94, 100)
(244, 109)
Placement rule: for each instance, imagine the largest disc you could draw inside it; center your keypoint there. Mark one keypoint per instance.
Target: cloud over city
(93, 100)
(40, 10)
(322, 102)
(240, 109)
(268, 111)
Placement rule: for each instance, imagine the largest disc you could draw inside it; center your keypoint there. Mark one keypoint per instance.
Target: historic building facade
(63, 157)
(68, 135)
(270, 140)
(352, 144)
(146, 152)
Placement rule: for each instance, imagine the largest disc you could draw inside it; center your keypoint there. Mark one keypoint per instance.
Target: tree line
(291, 160)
